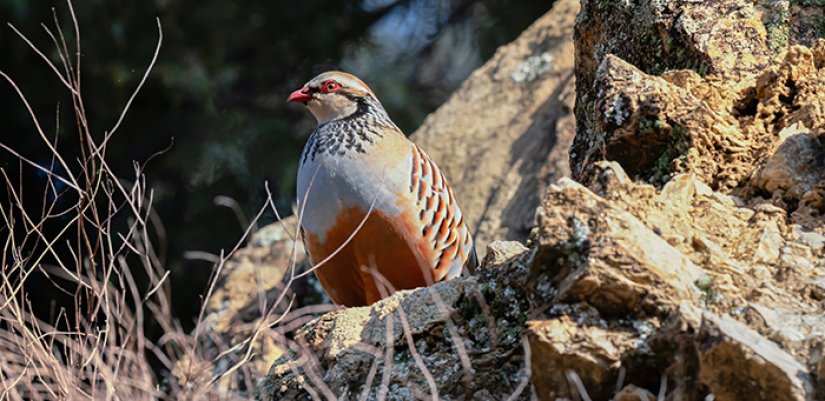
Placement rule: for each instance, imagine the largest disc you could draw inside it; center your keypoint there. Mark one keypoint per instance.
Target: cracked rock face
(680, 280)
(564, 344)
(670, 87)
(760, 369)
(717, 128)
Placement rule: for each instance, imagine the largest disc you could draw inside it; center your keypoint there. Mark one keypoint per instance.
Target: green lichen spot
(778, 27)
(705, 285)
(778, 37)
(674, 159)
(819, 26)
(809, 3)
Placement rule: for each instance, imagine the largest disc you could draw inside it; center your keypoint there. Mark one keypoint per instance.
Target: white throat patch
(329, 106)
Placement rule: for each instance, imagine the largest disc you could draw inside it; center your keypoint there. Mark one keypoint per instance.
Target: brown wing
(443, 226)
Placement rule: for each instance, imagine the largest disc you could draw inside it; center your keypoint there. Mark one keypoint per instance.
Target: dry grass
(98, 350)
(103, 256)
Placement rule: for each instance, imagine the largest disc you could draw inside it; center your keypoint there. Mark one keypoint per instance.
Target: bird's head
(333, 95)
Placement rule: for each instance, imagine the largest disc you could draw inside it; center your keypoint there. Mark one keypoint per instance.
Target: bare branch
(140, 84)
(43, 56)
(74, 183)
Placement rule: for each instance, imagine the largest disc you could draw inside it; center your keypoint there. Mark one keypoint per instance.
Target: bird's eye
(330, 86)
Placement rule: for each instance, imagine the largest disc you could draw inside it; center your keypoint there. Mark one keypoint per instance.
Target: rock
(647, 124)
(233, 313)
(600, 246)
(499, 252)
(728, 359)
(806, 22)
(590, 254)
(718, 121)
(599, 276)
(737, 363)
(562, 345)
(791, 326)
(465, 332)
(800, 331)
(343, 342)
(813, 240)
(633, 393)
(724, 39)
(769, 243)
(795, 167)
(253, 269)
(721, 38)
(512, 122)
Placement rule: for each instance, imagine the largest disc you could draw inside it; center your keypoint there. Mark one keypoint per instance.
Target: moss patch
(671, 54)
(674, 159)
(809, 3)
(779, 30)
(819, 26)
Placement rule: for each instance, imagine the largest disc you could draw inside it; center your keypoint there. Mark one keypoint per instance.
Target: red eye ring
(330, 86)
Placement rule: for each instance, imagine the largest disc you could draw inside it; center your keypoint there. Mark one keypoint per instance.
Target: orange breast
(377, 260)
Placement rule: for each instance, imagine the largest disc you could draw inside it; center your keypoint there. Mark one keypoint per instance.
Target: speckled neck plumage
(353, 133)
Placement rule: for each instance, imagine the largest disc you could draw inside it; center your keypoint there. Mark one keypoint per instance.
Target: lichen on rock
(455, 339)
(657, 116)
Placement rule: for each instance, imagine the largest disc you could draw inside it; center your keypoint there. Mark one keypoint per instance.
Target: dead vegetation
(103, 256)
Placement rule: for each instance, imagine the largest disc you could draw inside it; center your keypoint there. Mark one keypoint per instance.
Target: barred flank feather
(441, 218)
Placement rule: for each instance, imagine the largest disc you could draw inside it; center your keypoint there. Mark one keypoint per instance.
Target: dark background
(215, 100)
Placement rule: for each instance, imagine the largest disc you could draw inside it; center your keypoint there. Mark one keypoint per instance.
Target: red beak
(301, 95)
